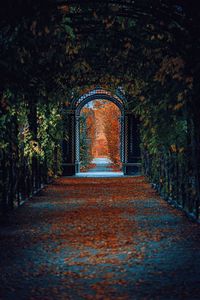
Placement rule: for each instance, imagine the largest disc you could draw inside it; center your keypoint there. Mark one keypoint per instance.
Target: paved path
(102, 168)
(103, 164)
(98, 238)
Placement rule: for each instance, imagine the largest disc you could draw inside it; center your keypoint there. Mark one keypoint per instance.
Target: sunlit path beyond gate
(100, 238)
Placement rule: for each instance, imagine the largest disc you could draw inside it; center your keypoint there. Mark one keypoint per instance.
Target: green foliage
(50, 133)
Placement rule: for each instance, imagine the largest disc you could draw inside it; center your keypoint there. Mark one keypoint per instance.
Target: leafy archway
(56, 50)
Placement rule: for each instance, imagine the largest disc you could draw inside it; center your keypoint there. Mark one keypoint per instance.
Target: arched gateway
(129, 135)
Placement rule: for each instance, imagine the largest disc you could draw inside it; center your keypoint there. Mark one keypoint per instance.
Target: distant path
(99, 239)
(101, 165)
(102, 168)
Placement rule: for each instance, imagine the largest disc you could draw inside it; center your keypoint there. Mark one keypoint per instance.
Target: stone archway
(129, 136)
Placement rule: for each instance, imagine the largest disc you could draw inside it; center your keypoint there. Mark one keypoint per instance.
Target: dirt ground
(99, 238)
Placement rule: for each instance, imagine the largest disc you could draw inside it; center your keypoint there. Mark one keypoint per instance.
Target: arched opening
(100, 137)
(129, 133)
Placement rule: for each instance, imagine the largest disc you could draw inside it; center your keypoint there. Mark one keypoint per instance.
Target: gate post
(77, 143)
(68, 145)
(132, 164)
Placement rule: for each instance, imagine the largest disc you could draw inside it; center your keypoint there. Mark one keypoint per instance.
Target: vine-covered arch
(100, 93)
(129, 135)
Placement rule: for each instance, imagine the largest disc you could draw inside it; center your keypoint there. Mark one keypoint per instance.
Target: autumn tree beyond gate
(100, 132)
(53, 52)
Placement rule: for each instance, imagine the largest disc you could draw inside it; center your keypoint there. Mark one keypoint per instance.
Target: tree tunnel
(59, 54)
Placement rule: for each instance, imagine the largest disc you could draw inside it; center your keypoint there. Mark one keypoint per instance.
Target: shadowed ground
(99, 238)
